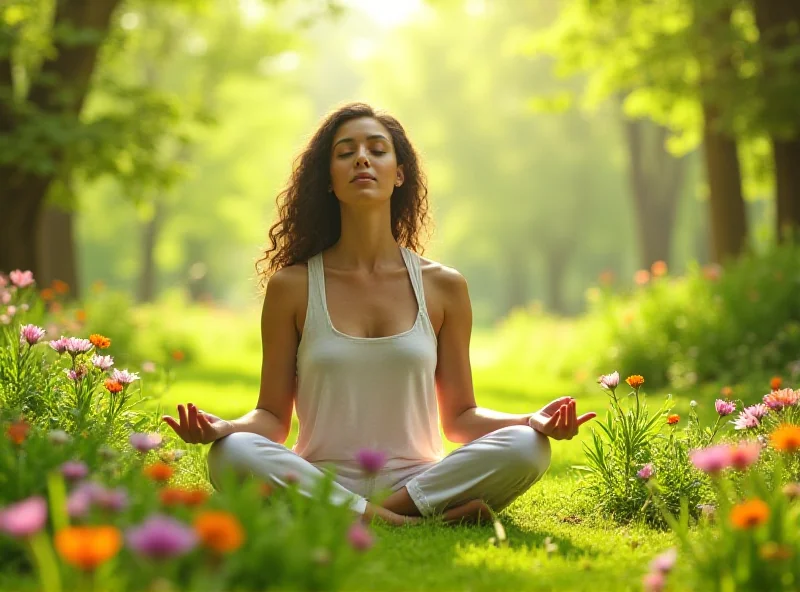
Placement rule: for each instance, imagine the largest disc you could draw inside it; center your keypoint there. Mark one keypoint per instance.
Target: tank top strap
(413, 263)
(316, 305)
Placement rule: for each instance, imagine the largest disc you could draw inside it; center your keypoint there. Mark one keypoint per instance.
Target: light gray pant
(496, 468)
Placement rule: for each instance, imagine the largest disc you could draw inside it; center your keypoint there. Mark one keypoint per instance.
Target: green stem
(714, 431)
(45, 562)
(58, 500)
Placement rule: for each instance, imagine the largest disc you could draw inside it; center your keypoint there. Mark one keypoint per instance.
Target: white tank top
(366, 392)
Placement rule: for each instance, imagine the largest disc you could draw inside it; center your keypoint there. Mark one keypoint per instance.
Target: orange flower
(749, 514)
(659, 268)
(158, 471)
(60, 286)
(786, 438)
(178, 355)
(641, 277)
(781, 398)
(112, 386)
(635, 381)
(18, 431)
(775, 383)
(219, 531)
(80, 315)
(726, 392)
(177, 496)
(673, 419)
(195, 497)
(47, 294)
(55, 307)
(606, 278)
(99, 341)
(87, 547)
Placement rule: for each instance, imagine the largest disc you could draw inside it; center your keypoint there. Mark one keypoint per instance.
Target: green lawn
(593, 553)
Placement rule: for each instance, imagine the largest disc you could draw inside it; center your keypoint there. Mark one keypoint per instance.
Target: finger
(182, 416)
(205, 427)
(586, 417)
(552, 423)
(194, 427)
(170, 421)
(573, 417)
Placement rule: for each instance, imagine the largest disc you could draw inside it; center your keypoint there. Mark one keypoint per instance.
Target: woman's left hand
(559, 419)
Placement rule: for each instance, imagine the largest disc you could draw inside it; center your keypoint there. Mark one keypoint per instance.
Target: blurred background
(578, 153)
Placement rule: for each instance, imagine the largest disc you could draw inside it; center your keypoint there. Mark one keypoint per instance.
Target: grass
(593, 552)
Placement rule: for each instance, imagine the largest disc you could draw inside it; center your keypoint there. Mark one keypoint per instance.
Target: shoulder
(446, 281)
(287, 287)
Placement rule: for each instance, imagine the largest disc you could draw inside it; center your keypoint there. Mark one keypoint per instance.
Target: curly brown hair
(309, 220)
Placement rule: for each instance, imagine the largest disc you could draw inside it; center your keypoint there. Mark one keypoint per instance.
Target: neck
(366, 242)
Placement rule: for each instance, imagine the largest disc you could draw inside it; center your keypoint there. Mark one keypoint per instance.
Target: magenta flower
(123, 376)
(161, 537)
(24, 518)
(758, 410)
(712, 459)
(102, 362)
(114, 500)
(77, 374)
(21, 279)
(665, 562)
(359, 537)
(609, 381)
(76, 345)
(145, 442)
(654, 582)
(646, 471)
(371, 461)
(31, 334)
(745, 454)
(724, 407)
(60, 344)
(73, 470)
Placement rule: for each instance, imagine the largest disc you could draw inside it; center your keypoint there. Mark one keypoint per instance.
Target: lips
(362, 176)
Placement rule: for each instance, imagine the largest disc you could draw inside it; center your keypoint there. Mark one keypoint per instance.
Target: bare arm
(273, 413)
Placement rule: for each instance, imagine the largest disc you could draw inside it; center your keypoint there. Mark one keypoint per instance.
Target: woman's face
(363, 162)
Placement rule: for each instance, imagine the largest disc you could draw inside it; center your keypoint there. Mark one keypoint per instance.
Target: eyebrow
(372, 137)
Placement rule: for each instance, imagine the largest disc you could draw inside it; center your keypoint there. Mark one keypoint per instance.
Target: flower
(99, 341)
(178, 355)
(177, 496)
(123, 376)
(76, 345)
(635, 381)
(673, 419)
(161, 537)
(653, 582)
(778, 399)
(665, 562)
(693, 404)
(359, 537)
(658, 268)
(148, 367)
(21, 279)
(145, 442)
(77, 374)
(641, 277)
(169, 456)
(47, 294)
(60, 344)
(31, 334)
(24, 518)
(219, 531)
(758, 410)
(371, 461)
(792, 490)
(745, 454)
(775, 383)
(18, 431)
(112, 386)
(646, 471)
(749, 514)
(707, 510)
(724, 407)
(114, 500)
(158, 471)
(86, 547)
(712, 459)
(74, 470)
(772, 551)
(60, 286)
(746, 420)
(59, 437)
(726, 392)
(786, 438)
(102, 362)
(609, 381)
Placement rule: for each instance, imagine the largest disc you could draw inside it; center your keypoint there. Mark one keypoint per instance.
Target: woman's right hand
(198, 427)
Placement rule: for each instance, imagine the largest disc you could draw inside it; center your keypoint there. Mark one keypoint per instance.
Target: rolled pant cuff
(418, 497)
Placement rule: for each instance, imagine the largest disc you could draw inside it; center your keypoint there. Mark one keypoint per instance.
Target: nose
(361, 158)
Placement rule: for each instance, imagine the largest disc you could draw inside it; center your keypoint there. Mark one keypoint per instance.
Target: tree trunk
(556, 261)
(150, 233)
(774, 19)
(656, 179)
(57, 248)
(516, 279)
(727, 208)
(58, 91)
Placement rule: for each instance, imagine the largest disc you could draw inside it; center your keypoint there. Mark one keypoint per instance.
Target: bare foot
(472, 512)
(392, 518)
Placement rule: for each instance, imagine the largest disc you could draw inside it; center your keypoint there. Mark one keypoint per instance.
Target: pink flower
(102, 362)
(745, 454)
(779, 399)
(646, 471)
(371, 461)
(123, 376)
(724, 407)
(21, 279)
(145, 442)
(24, 518)
(78, 374)
(711, 460)
(161, 537)
(74, 470)
(654, 582)
(115, 500)
(76, 345)
(665, 562)
(31, 334)
(148, 367)
(609, 381)
(60, 344)
(746, 421)
(359, 537)
(11, 311)
(758, 410)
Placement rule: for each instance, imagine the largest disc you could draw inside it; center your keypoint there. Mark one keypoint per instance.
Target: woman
(370, 342)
